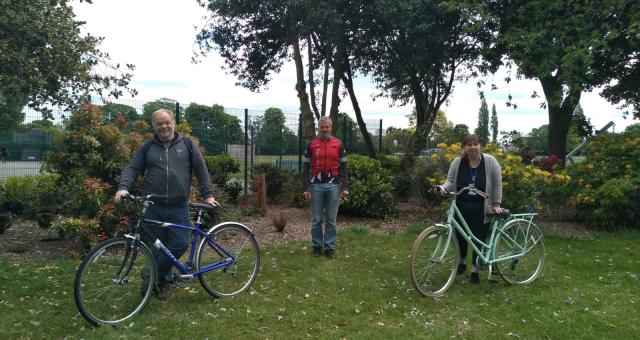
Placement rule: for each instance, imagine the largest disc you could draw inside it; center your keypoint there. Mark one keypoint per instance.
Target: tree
(482, 131)
(396, 140)
(214, 128)
(571, 47)
(442, 131)
(11, 114)
(418, 49)
(459, 132)
(256, 38)
(45, 60)
(494, 124)
(112, 110)
(162, 103)
(581, 124)
(273, 137)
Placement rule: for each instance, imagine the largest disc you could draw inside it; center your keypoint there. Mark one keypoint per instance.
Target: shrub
(370, 189)
(402, 183)
(279, 221)
(83, 233)
(278, 182)
(31, 194)
(221, 167)
(549, 163)
(604, 189)
(523, 185)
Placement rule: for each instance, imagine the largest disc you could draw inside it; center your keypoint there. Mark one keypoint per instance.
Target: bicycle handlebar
(439, 188)
(148, 199)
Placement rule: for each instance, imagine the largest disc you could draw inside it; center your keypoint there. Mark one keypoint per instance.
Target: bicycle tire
(108, 284)
(433, 269)
(240, 242)
(524, 238)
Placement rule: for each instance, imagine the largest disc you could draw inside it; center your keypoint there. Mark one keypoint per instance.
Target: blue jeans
(325, 198)
(176, 240)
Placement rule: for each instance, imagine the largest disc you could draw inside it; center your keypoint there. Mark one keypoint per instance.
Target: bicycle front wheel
(108, 287)
(523, 242)
(238, 241)
(434, 260)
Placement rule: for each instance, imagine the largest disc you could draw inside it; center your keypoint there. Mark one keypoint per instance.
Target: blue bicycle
(109, 286)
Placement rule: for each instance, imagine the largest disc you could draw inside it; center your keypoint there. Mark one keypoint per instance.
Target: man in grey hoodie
(167, 162)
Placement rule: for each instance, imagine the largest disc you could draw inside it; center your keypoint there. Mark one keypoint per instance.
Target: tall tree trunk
(560, 113)
(325, 80)
(338, 71)
(312, 82)
(308, 124)
(348, 83)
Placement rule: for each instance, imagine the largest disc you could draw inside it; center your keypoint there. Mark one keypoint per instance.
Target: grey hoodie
(167, 171)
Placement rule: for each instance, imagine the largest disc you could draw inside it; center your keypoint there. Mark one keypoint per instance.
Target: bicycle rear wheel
(235, 278)
(434, 261)
(108, 287)
(524, 240)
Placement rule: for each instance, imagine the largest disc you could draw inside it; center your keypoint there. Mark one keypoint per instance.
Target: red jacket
(325, 162)
(325, 156)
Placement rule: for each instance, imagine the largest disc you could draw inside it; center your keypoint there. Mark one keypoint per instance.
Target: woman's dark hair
(470, 138)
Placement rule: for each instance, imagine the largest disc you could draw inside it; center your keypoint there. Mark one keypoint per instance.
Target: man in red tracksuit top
(325, 180)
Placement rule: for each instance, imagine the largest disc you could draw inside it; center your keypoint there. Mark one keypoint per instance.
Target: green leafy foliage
(482, 131)
(31, 194)
(370, 189)
(606, 187)
(215, 129)
(221, 168)
(283, 186)
(44, 59)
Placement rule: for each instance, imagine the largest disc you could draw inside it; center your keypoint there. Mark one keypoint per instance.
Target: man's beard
(325, 136)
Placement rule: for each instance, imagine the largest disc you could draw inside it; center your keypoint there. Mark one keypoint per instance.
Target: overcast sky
(157, 36)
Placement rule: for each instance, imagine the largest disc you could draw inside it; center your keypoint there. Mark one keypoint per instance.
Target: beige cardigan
(494, 180)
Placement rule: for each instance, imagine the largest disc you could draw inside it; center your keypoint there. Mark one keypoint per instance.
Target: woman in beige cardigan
(481, 171)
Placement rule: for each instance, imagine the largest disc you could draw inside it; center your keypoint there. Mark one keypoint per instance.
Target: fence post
(280, 150)
(246, 144)
(224, 139)
(177, 113)
(380, 137)
(300, 146)
(253, 146)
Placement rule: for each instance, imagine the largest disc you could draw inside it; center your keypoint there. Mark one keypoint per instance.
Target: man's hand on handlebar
(212, 201)
(120, 194)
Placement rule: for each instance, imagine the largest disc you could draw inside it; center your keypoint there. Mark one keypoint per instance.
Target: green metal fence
(250, 136)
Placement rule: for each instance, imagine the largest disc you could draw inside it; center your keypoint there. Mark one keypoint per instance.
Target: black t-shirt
(468, 175)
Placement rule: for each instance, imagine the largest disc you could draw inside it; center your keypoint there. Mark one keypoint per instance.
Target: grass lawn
(589, 289)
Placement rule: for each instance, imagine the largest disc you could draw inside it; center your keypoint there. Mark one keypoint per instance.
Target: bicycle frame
(487, 252)
(197, 233)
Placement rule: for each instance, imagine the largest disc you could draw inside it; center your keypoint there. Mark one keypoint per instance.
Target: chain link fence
(251, 137)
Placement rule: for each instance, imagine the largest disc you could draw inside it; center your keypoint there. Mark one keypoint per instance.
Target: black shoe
(317, 251)
(475, 278)
(330, 254)
(462, 268)
(166, 290)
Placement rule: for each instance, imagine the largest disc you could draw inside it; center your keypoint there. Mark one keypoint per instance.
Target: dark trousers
(176, 240)
(473, 213)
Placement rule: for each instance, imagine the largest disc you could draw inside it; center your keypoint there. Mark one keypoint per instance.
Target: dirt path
(25, 241)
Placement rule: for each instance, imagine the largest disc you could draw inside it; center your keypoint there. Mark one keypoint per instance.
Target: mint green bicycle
(515, 249)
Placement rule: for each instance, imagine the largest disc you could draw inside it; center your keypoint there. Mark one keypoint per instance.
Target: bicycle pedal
(182, 282)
